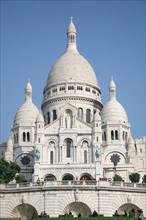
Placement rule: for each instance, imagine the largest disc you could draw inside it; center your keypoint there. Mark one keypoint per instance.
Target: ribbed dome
(113, 111)
(9, 143)
(28, 112)
(40, 118)
(130, 141)
(97, 117)
(72, 67)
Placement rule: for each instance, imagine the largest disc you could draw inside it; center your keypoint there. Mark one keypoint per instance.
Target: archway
(68, 176)
(127, 207)
(24, 210)
(69, 144)
(78, 207)
(49, 177)
(86, 176)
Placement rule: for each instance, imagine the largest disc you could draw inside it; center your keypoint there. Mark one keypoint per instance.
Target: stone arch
(49, 177)
(127, 207)
(78, 207)
(81, 140)
(86, 176)
(80, 113)
(24, 210)
(68, 176)
(108, 155)
(85, 143)
(68, 142)
(51, 143)
(68, 114)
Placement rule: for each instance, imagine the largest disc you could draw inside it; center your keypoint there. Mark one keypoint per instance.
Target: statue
(37, 154)
(68, 121)
(97, 152)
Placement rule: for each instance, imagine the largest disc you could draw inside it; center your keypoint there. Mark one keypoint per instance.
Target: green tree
(134, 177)
(20, 179)
(8, 171)
(117, 177)
(144, 179)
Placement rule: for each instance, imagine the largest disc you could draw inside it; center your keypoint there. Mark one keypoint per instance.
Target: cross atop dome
(71, 35)
(112, 89)
(28, 91)
(71, 19)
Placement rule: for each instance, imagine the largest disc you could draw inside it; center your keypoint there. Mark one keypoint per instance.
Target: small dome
(97, 116)
(26, 114)
(9, 143)
(112, 85)
(28, 86)
(40, 118)
(114, 112)
(71, 28)
(130, 141)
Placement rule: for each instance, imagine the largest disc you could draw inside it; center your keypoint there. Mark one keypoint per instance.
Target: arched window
(17, 138)
(62, 88)
(68, 143)
(85, 156)
(116, 135)
(48, 118)
(71, 87)
(104, 136)
(123, 135)
(80, 113)
(51, 157)
(14, 139)
(54, 89)
(87, 89)
(45, 119)
(112, 135)
(79, 88)
(126, 135)
(24, 137)
(54, 115)
(88, 115)
(28, 136)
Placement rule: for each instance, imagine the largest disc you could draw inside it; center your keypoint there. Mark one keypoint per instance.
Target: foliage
(8, 171)
(117, 177)
(144, 179)
(134, 177)
(20, 179)
(85, 218)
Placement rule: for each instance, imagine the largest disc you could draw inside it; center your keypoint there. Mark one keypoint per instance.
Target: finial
(29, 80)
(71, 18)
(111, 77)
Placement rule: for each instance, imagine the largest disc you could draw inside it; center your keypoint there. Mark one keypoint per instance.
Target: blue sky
(110, 35)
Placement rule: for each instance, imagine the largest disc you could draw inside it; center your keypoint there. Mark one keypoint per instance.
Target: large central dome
(72, 66)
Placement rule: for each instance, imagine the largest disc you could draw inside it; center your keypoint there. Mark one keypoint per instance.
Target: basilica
(75, 137)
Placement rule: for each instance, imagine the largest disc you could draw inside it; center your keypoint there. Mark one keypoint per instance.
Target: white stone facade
(61, 143)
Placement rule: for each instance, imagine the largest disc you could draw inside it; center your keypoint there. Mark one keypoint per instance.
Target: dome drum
(72, 90)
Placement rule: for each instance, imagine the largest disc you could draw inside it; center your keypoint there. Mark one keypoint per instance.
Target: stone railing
(87, 183)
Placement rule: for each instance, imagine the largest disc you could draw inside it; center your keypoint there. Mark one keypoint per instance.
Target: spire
(71, 36)
(28, 91)
(112, 89)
